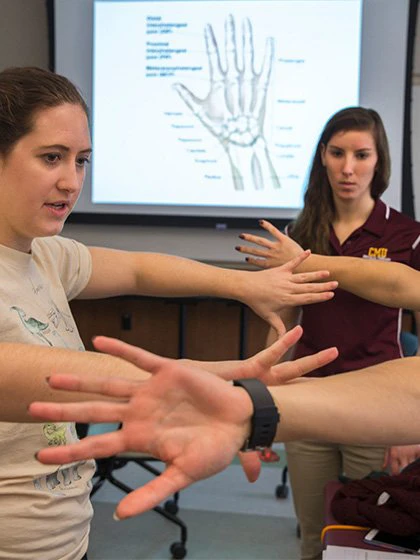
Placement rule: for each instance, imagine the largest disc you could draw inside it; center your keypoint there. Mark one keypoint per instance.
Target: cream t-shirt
(45, 510)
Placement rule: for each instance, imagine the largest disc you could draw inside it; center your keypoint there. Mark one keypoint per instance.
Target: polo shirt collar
(375, 224)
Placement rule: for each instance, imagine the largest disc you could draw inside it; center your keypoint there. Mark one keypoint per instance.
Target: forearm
(24, 369)
(220, 368)
(387, 283)
(166, 275)
(378, 405)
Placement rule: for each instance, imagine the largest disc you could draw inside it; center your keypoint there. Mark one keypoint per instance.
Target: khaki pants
(311, 465)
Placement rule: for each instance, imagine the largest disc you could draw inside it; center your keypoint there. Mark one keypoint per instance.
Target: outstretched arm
(24, 369)
(196, 422)
(267, 292)
(388, 283)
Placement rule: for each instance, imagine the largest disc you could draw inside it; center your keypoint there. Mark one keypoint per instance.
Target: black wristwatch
(265, 418)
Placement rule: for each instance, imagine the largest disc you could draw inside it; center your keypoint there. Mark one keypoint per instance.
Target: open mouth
(57, 205)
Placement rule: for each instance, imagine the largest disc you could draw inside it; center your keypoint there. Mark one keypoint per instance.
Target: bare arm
(386, 283)
(266, 292)
(24, 369)
(376, 405)
(197, 423)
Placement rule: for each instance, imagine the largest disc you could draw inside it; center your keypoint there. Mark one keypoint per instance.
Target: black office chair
(105, 469)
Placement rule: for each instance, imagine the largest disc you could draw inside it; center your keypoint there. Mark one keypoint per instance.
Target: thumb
(277, 324)
(251, 465)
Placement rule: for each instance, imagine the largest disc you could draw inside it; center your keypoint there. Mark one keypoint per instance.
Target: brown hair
(311, 229)
(25, 91)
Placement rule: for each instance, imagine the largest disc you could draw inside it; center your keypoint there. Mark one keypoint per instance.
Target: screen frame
(232, 222)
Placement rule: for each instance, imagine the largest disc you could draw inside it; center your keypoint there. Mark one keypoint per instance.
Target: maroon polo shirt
(365, 333)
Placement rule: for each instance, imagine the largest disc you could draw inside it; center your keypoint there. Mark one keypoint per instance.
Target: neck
(349, 211)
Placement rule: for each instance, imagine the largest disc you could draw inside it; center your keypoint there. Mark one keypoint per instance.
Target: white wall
(23, 41)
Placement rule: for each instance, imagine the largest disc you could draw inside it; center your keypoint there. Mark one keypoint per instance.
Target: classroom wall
(24, 41)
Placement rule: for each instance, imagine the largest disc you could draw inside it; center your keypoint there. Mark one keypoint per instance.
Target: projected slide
(217, 103)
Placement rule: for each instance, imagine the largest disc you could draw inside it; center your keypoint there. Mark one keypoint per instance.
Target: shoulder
(402, 220)
(57, 246)
(66, 259)
(61, 253)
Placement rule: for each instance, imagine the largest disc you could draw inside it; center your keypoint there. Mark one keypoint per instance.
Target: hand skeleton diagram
(234, 108)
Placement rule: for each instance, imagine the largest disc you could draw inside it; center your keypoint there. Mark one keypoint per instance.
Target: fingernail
(36, 456)
(47, 379)
(94, 337)
(237, 248)
(246, 259)
(241, 236)
(115, 516)
(261, 222)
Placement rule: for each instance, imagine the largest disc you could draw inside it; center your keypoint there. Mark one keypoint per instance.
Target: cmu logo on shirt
(380, 253)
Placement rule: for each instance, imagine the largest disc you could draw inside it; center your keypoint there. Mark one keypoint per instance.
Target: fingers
(251, 465)
(252, 251)
(258, 240)
(153, 493)
(190, 100)
(295, 262)
(296, 368)
(264, 77)
(306, 299)
(262, 254)
(215, 67)
(263, 362)
(271, 355)
(247, 89)
(309, 277)
(275, 321)
(268, 226)
(133, 354)
(91, 447)
(260, 263)
(85, 412)
(315, 286)
(107, 386)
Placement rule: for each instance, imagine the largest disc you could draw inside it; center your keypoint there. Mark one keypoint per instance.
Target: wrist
(234, 284)
(265, 416)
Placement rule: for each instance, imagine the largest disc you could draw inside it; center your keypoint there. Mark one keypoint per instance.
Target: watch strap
(265, 418)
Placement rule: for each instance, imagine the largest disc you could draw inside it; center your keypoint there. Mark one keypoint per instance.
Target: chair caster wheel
(171, 507)
(282, 491)
(178, 550)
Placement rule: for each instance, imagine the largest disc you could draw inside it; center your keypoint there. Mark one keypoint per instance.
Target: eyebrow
(64, 148)
(358, 150)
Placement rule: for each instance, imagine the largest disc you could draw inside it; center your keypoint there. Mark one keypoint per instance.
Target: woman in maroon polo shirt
(344, 216)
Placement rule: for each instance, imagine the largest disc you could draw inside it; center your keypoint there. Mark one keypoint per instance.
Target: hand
(273, 253)
(263, 365)
(191, 420)
(234, 107)
(267, 292)
(399, 456)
